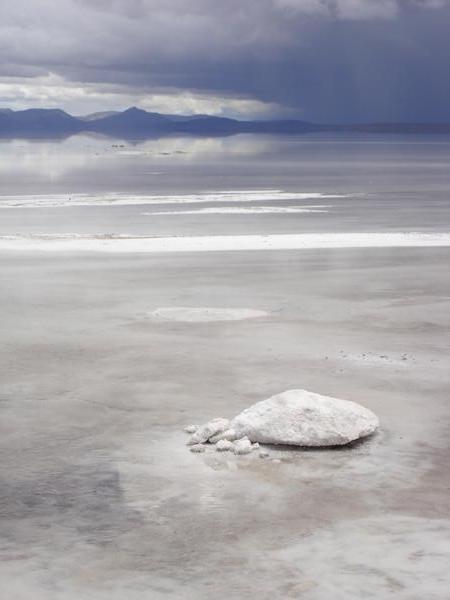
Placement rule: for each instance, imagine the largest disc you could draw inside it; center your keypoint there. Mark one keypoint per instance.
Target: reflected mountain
(135, 123)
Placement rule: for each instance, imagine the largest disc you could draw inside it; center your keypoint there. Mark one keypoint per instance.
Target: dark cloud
(326, 60)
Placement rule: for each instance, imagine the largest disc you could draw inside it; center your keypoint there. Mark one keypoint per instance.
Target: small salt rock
(263, 454)
(224, 445)
(197, 448)
(276, 461)
(191, 428)
(209, 429)
(243, 446)
(255, 446)
(228, 434)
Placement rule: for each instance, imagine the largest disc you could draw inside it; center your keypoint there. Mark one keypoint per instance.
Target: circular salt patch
(206, 314)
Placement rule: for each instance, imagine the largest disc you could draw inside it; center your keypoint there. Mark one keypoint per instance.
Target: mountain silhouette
(135, 123)
(38, 121)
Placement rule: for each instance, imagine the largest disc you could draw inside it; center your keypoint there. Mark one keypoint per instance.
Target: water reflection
(380, 182)
(88, 163)
(51, 160)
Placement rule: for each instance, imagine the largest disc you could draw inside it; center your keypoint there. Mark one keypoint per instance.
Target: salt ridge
(125, 244)
(243, 210)
(114, 199)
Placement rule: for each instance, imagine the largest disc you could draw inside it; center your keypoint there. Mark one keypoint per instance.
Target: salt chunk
(224, 445)
(191, 428)
(228, 434)
(242, 446)
(204, 432)
(198, 448)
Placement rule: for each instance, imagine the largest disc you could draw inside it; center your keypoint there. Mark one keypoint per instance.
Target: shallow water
(350, 184)
(101, 499)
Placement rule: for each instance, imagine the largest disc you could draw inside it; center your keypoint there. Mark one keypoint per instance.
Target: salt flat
(100, 497)
(117, 332)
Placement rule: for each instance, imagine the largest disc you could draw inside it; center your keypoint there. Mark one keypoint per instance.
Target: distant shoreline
(135, 124)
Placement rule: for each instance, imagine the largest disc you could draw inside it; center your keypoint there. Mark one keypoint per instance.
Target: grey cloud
(327, 59)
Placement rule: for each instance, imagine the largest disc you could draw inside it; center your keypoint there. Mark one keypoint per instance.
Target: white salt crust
(221, 243)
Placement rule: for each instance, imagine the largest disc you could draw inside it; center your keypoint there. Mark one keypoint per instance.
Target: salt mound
(205, 314)
(302, 418)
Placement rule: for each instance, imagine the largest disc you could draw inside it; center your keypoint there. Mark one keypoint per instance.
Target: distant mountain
(38, 121)
(135, 123)
(98, 115)
(132, 121)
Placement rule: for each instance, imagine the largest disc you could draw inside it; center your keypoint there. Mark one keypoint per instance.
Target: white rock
(242, 446)
(191, 428)
(255, 446)
(224, 445)
(228, 434)
(302, 418)
(263, 454)
(197, 448)
(204, 432)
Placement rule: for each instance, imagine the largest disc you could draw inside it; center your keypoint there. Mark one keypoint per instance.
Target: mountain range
(135, 123)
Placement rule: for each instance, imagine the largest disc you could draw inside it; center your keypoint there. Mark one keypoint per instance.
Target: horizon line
(225, 117)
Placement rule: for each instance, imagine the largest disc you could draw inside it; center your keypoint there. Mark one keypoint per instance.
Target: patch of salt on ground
(222, 243)
(61, 200)
(243, 210)
(205, 314)
(371, 359)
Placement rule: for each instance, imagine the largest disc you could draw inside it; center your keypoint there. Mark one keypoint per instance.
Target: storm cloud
(322, 60)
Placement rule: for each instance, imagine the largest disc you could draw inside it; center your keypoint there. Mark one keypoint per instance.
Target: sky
(329, 61)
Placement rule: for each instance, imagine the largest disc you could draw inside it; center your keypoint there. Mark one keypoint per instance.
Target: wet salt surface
(102, 499)
(205, 314)
(341, 573)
